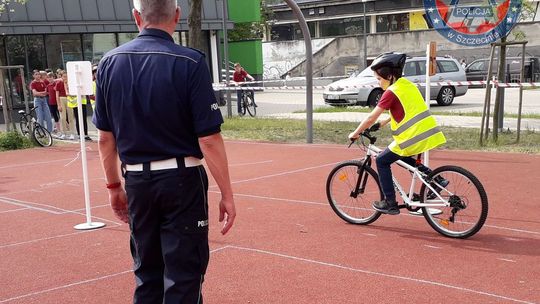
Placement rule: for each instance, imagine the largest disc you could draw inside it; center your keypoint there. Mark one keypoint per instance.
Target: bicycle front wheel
(351, 190)
(468, 202)
(42, 136)
(250, 105)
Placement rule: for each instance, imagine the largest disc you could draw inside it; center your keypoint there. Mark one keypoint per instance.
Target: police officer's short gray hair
(156, 11)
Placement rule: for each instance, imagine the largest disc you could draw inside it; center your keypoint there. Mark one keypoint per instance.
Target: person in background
(463, 63)
(72, 104)
(39, 91)
(239, 77)
(53, 107)
(156, 111)
(67, 120)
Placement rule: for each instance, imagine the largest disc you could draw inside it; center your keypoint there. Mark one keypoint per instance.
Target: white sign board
(80, 78)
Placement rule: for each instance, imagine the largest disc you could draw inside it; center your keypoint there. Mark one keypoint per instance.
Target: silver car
(363, 89)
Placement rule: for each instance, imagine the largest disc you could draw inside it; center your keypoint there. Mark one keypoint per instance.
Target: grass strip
(324, 132)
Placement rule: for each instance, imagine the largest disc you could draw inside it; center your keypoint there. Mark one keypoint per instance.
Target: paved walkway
(453, 121)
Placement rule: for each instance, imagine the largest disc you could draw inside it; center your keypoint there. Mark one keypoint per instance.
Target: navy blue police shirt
(156, 98)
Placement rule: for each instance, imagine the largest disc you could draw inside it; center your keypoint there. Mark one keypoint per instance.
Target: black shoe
(386, 207)
(441, 181)
(87, 138)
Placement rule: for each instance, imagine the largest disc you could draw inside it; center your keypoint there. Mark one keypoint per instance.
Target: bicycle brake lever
(352, 142)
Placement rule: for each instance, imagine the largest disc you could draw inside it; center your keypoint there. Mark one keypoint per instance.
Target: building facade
(48, 33)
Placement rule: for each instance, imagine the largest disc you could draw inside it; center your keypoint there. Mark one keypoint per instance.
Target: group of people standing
(53, 101)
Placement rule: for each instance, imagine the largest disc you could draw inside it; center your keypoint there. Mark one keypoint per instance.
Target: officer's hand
(118, 200)
(226, 206)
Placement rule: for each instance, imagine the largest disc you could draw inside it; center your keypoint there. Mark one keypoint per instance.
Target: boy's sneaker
(441, 181)
(386, 207)
(62, 136)
(87, 138)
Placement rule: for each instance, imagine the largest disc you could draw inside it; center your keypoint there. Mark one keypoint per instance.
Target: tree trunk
(501, 77)
(194, 23)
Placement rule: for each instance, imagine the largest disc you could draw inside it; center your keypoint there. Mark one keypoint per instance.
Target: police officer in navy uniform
(156, 111)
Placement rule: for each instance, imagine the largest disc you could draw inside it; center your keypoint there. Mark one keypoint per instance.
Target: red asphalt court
(287, 245)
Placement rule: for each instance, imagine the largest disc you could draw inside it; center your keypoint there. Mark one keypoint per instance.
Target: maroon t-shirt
(38, 86)
(52, 93)
(60, 88)
(389, 101)
(240, 76)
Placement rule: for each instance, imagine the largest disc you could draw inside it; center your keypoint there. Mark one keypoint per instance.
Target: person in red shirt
(67, 119)
(53, 107)
(240, 75)
(39, 90)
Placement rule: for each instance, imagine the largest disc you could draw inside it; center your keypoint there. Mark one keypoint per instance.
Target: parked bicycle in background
(32, 129)
(245, 98)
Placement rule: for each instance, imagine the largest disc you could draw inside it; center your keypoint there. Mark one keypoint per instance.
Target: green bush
(13, 140)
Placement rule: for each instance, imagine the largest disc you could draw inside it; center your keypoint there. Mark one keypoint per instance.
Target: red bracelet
(114, 185)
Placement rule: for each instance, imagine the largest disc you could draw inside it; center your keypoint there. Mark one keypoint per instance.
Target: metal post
(521, 80)
(309, 67)
(226, 55)
(25, 92)
(365, 37)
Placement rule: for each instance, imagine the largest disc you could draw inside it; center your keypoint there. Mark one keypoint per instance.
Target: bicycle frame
(439, 201)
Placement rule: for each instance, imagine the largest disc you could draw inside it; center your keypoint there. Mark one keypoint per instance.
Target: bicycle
(248, 103)
(29, 126)
(458, 210)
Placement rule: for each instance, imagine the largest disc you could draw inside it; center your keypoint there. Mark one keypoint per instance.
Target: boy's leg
(384, 161)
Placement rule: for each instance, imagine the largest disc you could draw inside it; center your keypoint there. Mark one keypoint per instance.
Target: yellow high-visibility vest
(72, 99)
(418, 131)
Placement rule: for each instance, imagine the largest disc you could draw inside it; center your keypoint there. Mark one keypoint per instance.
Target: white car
(363, 89)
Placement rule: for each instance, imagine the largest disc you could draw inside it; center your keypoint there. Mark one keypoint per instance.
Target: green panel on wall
(244, 10)
(248, 54)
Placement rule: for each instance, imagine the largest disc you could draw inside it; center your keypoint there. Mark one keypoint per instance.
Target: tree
(5, 4)
(194, 23)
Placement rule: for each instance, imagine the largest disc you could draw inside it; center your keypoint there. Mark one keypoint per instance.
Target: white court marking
(83, 282)
(326, 204)
(392, 276)
(250, 164)
(35, 163)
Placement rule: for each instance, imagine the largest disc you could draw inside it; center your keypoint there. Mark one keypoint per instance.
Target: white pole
(88, 225)
(428, 94)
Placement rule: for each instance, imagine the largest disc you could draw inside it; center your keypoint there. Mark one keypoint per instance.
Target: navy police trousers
(168, 217)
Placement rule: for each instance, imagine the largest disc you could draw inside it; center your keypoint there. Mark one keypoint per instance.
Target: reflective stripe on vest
(418, 131)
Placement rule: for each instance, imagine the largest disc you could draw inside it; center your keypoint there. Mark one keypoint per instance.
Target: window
(340, 27)
(63, 48)
(96, 45)
(392, 23)
(478, 66)
(36, 52)
(126, 37)
(410, 69)
(285, 32)
(448, 66)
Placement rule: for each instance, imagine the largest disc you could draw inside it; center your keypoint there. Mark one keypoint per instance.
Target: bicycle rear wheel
(351, 191)
(250, 105)
(42, 136)
(468, 200)
(23, 125)
(242, 105)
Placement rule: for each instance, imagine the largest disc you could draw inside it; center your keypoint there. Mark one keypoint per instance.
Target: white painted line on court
(432, 247)
(326, 204)
(35, 163)
(14, 210)
(281, 174)
(310, 146)
(29, 205)
(506, 260)
(36, 293)
(392, 276)
(44, 239)
(253, 163)
(370, 234)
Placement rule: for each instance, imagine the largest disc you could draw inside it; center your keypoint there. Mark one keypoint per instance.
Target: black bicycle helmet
(391, 60)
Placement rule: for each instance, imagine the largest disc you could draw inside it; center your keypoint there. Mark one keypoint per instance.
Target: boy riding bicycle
(240, 75)
(413, 128)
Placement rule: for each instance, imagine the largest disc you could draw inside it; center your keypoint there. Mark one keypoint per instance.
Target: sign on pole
(80, 83)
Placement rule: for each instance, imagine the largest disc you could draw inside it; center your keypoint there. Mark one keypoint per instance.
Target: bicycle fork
(362, 178)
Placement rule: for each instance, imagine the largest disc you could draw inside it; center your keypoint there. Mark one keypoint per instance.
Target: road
(285, 101)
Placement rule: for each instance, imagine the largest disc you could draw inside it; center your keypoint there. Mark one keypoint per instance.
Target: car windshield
(367, 72)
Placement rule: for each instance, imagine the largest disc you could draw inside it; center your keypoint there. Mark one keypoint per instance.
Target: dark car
(478, 69)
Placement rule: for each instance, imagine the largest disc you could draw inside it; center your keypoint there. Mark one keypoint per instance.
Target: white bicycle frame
(439, 201)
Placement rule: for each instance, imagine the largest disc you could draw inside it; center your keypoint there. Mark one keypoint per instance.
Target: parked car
(346, 92)
(478, 69)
